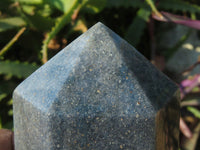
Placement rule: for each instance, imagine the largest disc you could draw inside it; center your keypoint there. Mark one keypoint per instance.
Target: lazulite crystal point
(98, 93)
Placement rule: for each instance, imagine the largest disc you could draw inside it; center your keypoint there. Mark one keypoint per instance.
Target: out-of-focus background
(164, 31)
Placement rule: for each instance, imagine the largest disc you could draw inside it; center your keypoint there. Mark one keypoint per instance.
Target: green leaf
(46, 10)
(190, 102)
(29, 9)
(179, 5)
(10, 102)
(60, 23)
(10, 23)
(10, 112)
(126, 3)
(30, 2)
(2, 96)
(136, 29)
(37, 17)
(194, 111)
(39, 22)
(20, 70)
(62, 5)
(95, 6)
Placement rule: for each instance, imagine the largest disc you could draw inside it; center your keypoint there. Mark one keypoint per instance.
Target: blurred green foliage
(52, 24)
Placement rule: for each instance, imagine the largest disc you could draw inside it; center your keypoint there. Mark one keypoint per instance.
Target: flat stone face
(98, 93)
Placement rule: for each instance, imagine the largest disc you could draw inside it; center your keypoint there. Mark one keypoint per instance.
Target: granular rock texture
(98, 93)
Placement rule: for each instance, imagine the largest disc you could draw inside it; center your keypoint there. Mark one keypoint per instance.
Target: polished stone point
(98, 93)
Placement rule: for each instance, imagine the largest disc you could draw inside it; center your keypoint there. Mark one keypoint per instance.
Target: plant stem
(154, 9)
(12, 41)
(60, 23)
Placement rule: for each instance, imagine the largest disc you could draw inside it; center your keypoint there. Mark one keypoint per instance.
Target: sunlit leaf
(10, 102)
(10, 112)
(95, 6)
(30, 2)
(29, 9)
(21, 70)
(10, 23)
(2, 96)
(80, 26)
(62, 5)
(194, 111)
(191, 102)
(46, 11)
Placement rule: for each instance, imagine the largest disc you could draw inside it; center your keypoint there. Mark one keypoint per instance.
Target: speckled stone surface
(98, 93)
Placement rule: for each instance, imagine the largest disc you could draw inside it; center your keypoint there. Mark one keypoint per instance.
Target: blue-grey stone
(98, 93)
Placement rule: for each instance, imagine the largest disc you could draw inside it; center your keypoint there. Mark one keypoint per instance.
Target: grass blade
(194, 111)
